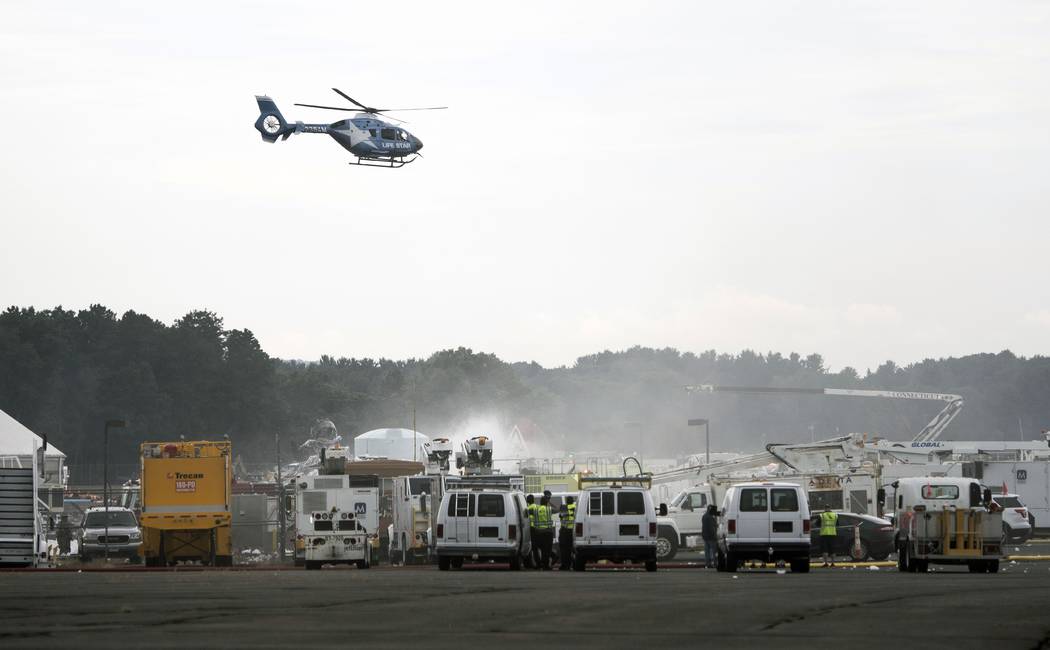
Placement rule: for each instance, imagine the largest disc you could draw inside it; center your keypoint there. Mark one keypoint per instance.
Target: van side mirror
(987, 497)
(663, 509)
(423, 503)
(975, 495)
(882, 496)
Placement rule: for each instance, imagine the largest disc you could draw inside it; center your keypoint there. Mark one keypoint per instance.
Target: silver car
(124, 538)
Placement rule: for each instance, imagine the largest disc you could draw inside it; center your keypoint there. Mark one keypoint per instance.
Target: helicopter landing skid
(388, 163)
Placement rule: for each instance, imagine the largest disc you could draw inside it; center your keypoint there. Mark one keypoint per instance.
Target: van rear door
(752, 523)
(632, 524)
(601, 517)
(491, 520)
(460, 518)
(785, 516)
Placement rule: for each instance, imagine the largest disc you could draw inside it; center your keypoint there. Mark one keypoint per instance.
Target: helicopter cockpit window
(373, 132)
(402, 136)
(388, 134)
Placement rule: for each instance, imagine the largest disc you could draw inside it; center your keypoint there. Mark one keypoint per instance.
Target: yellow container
(186, 502)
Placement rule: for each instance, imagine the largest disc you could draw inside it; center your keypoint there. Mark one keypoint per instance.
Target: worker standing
(709, 533)
(64, 535)
(829, 529)
(530, 508)
(567, 519)
(545, 531)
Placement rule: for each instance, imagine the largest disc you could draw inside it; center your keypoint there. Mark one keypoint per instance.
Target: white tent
(396, 444)
(17, 440)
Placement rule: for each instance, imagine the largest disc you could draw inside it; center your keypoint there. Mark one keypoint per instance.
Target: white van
(617, 522)
(766, 521)
(482, 523)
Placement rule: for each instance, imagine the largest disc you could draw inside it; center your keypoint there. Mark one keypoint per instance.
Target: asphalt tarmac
(422, 607)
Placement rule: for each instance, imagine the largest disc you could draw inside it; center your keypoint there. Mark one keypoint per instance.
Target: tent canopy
(17, 440)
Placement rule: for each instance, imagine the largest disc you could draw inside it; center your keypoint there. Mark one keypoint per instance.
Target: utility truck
(946, 520)
(412, 506)
(337, 515)
(185, 499)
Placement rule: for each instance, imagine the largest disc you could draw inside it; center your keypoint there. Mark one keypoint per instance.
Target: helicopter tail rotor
(271, 124)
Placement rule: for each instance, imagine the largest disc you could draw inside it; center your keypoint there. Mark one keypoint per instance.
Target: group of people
(541, 527)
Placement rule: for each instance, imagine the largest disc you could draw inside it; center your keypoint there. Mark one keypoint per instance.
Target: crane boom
(931, 431)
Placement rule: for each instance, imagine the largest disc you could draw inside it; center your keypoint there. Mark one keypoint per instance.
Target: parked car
(616, 522)
(125, 536)
(483, 523)
(1017, 527)
(876, 537)
(766, 521)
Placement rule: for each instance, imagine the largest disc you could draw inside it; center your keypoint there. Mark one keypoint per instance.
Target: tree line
(64, 372)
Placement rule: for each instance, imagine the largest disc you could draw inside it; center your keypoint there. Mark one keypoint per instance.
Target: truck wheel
(313, 565)
(457, 562)
(720, 561)
(578, 563)
(921, 566)
(666, 544)
(903, 559)
(993, 566)
(650, 565)
(515, 562)
(444, 562)
(361, 564)
(859, 554)
(800, 565)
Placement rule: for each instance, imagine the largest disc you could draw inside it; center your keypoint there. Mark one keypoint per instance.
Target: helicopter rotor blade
(331, 108)
(354, 101)
(429, 108)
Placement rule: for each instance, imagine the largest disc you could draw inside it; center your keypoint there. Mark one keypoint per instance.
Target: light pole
(115, 424)
(695, 422)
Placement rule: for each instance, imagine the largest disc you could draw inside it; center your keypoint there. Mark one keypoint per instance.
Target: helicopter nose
(419, 144)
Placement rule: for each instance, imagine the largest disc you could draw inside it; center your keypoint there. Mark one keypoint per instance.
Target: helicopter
(375, 143)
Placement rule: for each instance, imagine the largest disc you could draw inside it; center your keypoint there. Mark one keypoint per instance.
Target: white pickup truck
(946, 520)
(681, 527)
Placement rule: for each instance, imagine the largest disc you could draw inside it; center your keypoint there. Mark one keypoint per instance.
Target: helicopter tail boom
(271, 124)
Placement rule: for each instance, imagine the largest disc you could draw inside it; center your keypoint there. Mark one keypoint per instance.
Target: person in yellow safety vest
(567, 519)
(545, 531)
(530, 508)
(829, 529)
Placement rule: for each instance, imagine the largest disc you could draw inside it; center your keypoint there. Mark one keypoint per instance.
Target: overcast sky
(867, 180)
